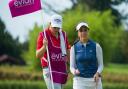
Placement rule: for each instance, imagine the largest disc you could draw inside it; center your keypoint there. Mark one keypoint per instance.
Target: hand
(77, 72)
(45, 42)
(96, 77)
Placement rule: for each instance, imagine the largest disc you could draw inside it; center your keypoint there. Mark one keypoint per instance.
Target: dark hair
(76, 41)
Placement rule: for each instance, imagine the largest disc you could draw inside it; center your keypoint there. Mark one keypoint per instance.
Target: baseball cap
(80, 25)
(56, 21)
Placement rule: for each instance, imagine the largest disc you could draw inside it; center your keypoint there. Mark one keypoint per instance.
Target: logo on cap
(57, 20)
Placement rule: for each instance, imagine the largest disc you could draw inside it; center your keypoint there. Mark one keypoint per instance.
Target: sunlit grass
(114, 76)
(116, 68)
(15, 84)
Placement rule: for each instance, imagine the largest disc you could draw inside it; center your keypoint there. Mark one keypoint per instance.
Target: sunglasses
(56, 28)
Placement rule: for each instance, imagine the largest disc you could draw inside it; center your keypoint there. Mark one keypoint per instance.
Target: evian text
(21, 3)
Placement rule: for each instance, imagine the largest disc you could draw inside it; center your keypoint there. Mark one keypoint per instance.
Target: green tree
(101, 5)
(121, 53)
(102, 29)
(30, 54)
(8, 45)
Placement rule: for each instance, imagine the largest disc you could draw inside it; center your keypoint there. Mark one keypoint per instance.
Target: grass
(14, 84)
(115, 76)
(116, 68)
(111, 68)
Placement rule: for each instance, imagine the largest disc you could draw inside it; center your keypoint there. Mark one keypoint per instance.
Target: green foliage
(102, 5)
(30, 55)
(8, 45)
(121, 53)
(71, 19)
(102, 29)
(2, 25)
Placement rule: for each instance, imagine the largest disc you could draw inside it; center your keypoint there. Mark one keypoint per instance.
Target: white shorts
(86, 83)
(46, 75)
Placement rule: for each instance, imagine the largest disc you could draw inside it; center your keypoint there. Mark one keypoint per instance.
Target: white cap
(56, 21)
(80, 25)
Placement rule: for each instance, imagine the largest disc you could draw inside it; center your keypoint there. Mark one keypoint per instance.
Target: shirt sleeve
(99, 56)
(72, 60)
(39, 41)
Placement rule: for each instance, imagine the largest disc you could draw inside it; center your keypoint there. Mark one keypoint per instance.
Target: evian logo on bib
(57, 57)
(21, 3)
(21, 7)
